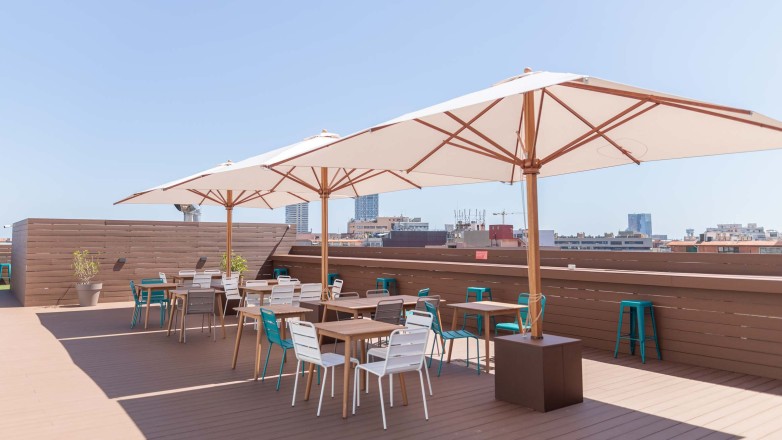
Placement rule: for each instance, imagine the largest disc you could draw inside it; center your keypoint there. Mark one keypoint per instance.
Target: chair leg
(333, 373)
(478, 354)
(355, 389)
(184, 328)
(654, 332)
(618, 332)
(382, 405)
(391, 390)
(282, 364)
(423, 394)
(641, 332)
(133, 319)
(322, 388)
(265, 364)
(296, 382)
(428, 379)
(440, 368)
(468, 353)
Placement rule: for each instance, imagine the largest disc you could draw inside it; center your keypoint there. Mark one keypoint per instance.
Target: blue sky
(102, 99)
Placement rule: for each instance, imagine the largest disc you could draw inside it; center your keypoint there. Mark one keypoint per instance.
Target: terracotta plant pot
(88, 294)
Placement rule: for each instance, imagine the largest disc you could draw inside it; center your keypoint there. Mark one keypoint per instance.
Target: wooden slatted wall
(5, 253)
(42, 250)
(729, 322)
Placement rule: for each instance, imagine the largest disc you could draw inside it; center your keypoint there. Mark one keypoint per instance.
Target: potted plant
(238, 265)
(85, 268)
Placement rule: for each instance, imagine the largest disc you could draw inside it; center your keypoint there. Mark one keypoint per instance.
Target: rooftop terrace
(82, 373)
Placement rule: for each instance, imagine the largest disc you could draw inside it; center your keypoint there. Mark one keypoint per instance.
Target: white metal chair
(252, 300)
(307, 349)
(231, 288)
(212, 271)
(375, 293)
(405, 352)
(310, 292)
(202, 280)
(199, 302)
(282, 294)
(336, 288)
(283, 279)
(259, 283)
(162, 276)
(187, 273)
(415, 320)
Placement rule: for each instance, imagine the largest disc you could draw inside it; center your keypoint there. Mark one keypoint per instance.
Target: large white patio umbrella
(546, 124)
(227, 198)
(252, 180)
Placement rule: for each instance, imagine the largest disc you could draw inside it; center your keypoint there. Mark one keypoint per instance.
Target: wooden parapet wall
(727, 321)
(5, 254)
(42, 251)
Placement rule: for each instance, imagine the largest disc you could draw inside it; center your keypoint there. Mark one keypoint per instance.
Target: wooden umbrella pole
(531, 168)
(229, 208)
(324, 232)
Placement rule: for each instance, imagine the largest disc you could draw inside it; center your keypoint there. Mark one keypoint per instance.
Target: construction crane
(504, 213)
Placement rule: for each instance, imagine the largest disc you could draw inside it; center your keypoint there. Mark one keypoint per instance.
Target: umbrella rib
(450, 135)
(537, 125)
(719, 115)
(186, 181)
(467, 141)
(402, 178)
(487, 153)
(347, 176)
(334, 183)
(590, 125)
(294, 178)
(519, 142)
(479, 134)
(297, 196)
(319, 190)
(220, 195)
(205, 196)
(263, 199)
(359, 179)
(131, 197)
(652, 97)
(575, 143)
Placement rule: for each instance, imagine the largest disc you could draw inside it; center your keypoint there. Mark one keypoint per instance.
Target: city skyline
(84, 77)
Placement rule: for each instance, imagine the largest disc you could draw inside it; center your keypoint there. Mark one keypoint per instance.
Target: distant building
(299, 215)
(728, 247)
(367, 207)
(641, 223)
(738, 232)
(382, 225)
(415, 238)
(624, 241)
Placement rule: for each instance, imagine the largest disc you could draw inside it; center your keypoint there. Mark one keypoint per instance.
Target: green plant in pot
(85, 268)
(238, 264)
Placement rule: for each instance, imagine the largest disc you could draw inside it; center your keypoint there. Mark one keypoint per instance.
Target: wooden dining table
(486, 309)
(181, 293)
(182, 278)
(349, 331)
(166, 287)
(364, 306)
(282, 311)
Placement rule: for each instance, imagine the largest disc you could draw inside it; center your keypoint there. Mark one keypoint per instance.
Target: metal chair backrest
(156, 294)
(418, 319)
(305, 342)
(162, 276)
(376, 293)
(231, 287)
(420, 305)
(389, 310)
(213, 271)
(133, 289)
(282, 294)
(337, 287)
(270, 326)
(310, 292)
(435, 318)
(186, 273)
(200, 301)
(202, 280)
(252, 300)
(283, 279)
(423, 292)
(347, 295)
(406, 350)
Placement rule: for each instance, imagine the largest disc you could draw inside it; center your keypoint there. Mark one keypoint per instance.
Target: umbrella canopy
(544, 123)
(252, 183)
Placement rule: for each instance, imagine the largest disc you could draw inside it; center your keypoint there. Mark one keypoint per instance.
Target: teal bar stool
(477, 294)
(331, 277)
(385, 283)
(8, 266)
(280, 271)
(637, 310)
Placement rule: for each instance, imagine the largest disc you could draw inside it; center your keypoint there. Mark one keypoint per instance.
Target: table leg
(450, 343)
(346, 377)
(182, 324)
(171, 315)
(220, 314)
(257, 351)
(325, 310)
(487, 336)
(238, 340)
(146, 315)
(310, 373)
(522, 329)
(404, 388)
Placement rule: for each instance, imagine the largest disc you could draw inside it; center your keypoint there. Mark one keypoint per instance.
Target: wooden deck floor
(82, 373)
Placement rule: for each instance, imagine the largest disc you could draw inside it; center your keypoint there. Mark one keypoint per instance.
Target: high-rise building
(640, 223)
(299, 215)
(367, 207)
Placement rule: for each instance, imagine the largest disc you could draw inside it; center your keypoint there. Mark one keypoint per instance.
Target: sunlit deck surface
(82, 373)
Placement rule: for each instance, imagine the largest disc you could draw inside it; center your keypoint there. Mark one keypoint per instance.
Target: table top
(183, 292)
(157, 286)
(356, 328)
(281, 310)
(264, 289)
(190, 277)
(366, 303)
(487, 306)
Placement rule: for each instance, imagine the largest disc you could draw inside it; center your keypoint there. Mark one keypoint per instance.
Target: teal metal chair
(385, 283)
(423, 292)
(273, 336)
(280, 271)
(477, 294)
(158, 297)
(514, 326)
(331, 277)
(637, 333)
(445, 336)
